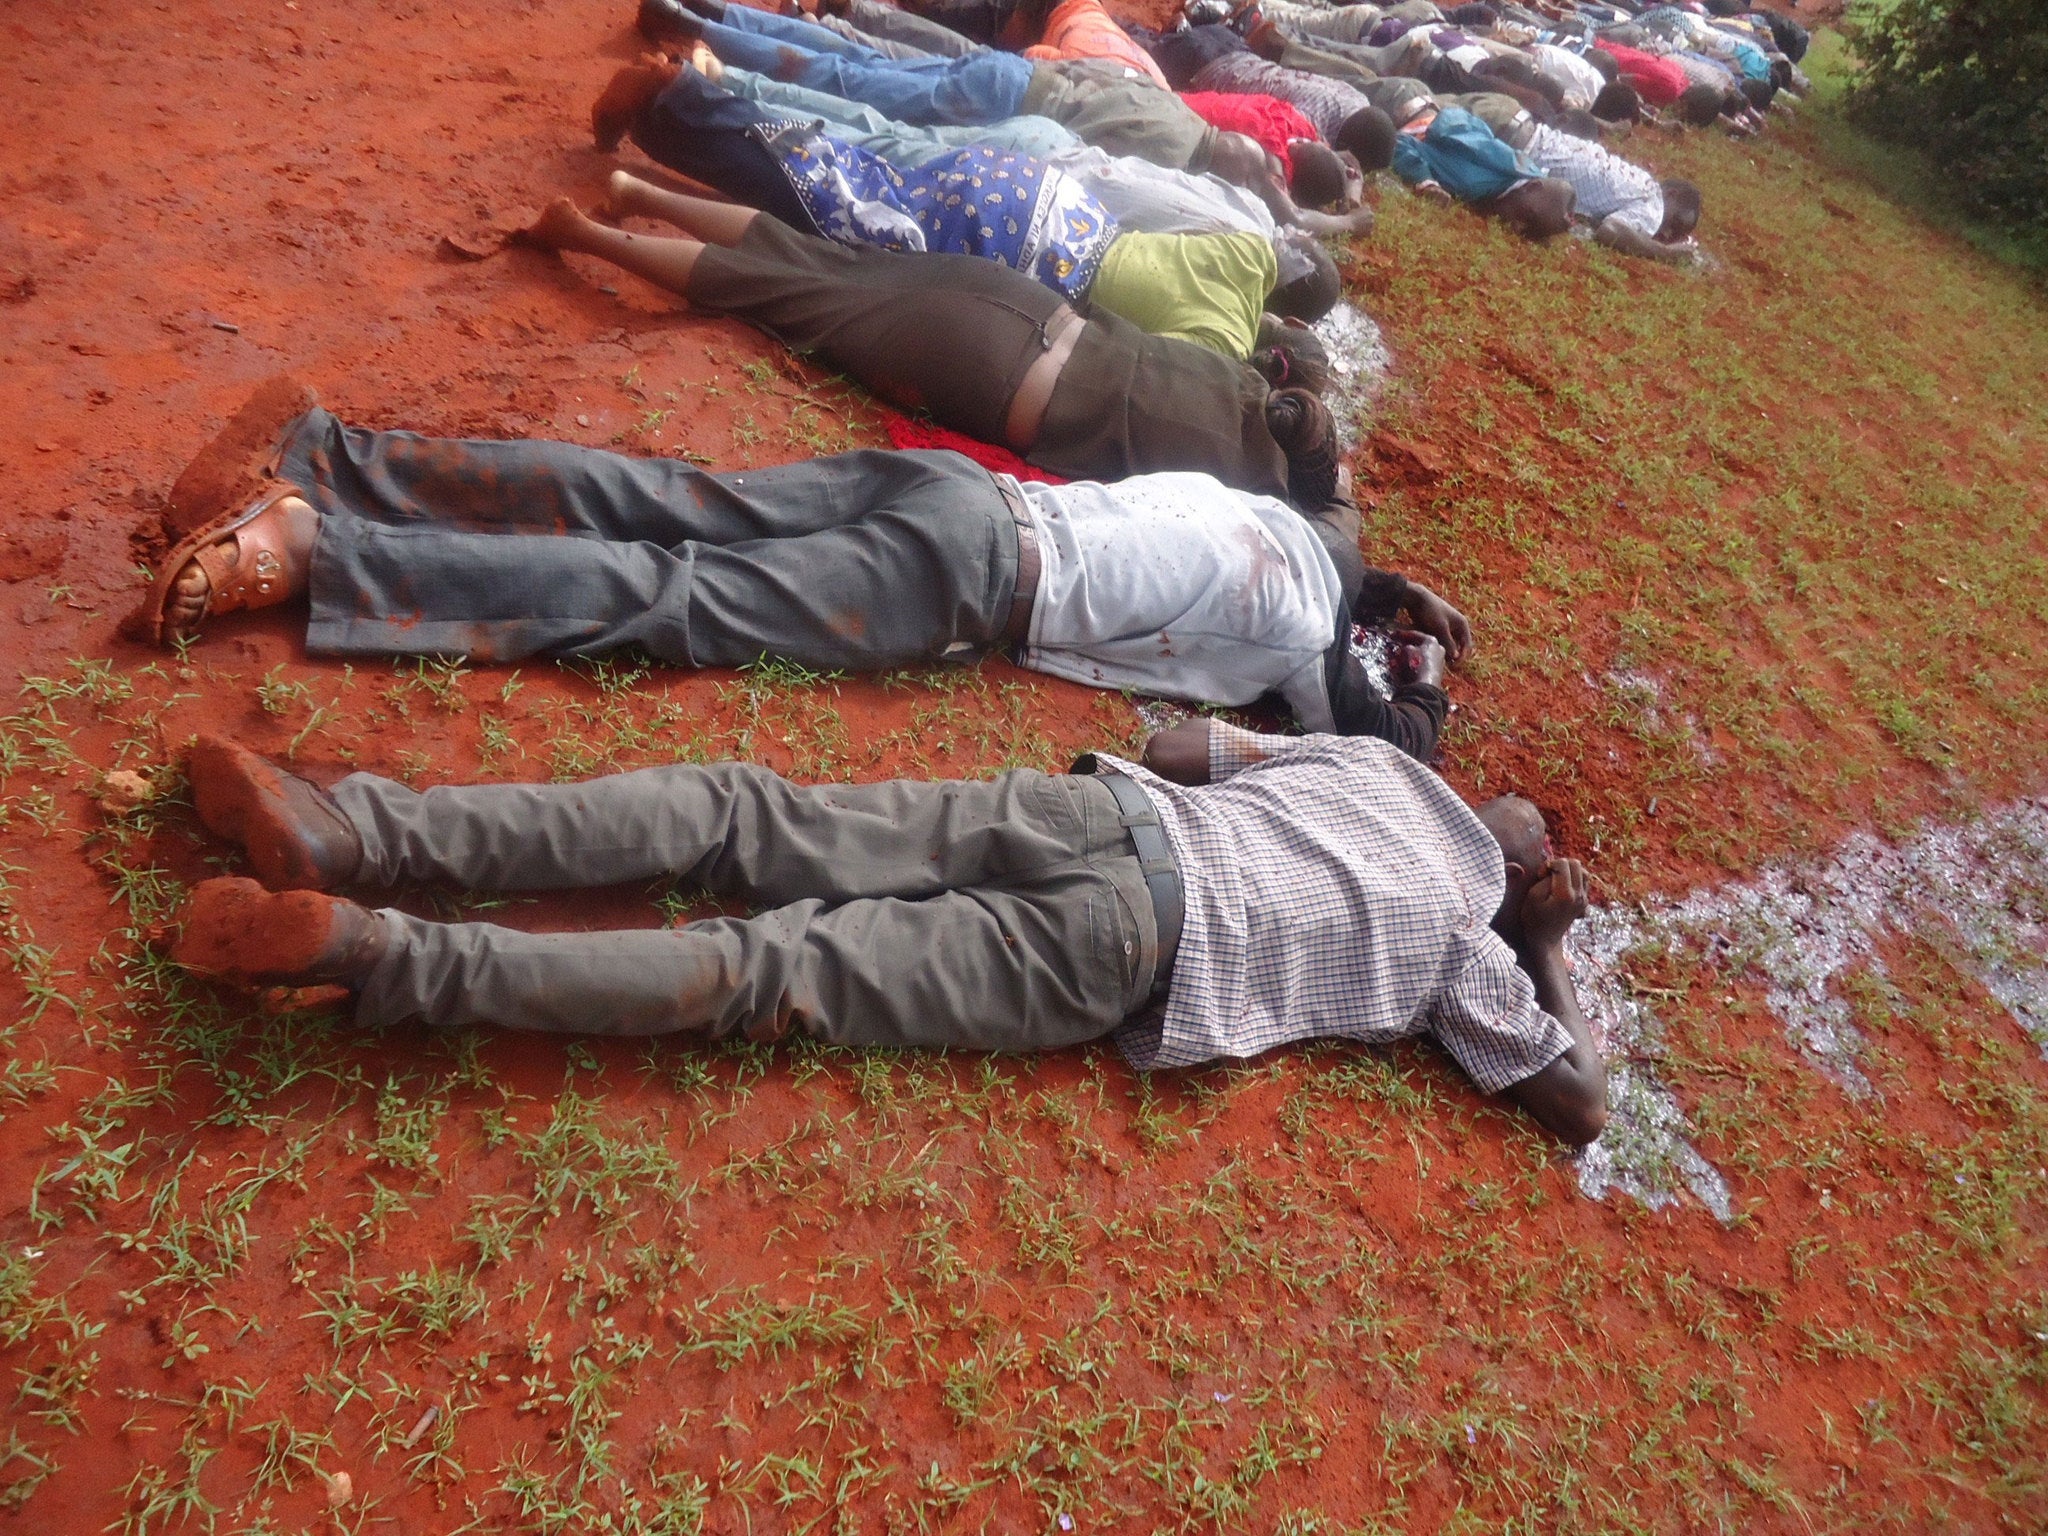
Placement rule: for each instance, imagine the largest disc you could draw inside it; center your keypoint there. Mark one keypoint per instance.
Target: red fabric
(905, 433)
(1660, 82)
(1269, 120)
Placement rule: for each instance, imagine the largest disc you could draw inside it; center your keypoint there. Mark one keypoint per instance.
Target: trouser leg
(1035, 957)
(952, 335)
(864, 561)
(733, 828)
(910, 29)
(888, 48)
(981, 87)
(972, 21)
(536, 485)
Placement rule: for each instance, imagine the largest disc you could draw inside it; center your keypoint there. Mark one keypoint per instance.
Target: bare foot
(623, 191)
(288, 524)
(561, 225)
(705, 62)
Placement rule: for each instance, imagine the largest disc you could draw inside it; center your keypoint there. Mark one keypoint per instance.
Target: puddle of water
(1359, 365)
(1802, 929)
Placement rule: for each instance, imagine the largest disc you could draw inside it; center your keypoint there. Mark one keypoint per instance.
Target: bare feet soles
(277, 548)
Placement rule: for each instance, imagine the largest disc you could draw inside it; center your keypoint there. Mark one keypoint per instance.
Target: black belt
(1155, 858)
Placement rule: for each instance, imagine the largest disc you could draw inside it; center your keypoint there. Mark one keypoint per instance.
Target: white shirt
(1176, 584)
(1582, 83)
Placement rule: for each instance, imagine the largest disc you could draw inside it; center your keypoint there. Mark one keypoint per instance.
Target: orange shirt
(1082, 29)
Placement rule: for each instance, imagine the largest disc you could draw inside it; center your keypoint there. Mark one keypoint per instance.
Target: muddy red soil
(1356, 1293)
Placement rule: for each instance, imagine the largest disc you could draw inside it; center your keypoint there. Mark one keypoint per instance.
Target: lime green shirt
(1208, 289)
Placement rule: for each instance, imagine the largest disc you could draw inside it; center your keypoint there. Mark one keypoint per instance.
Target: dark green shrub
(1967, 82)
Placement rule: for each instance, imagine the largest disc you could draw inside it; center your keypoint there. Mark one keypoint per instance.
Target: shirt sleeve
(1232, 750)
(1489, 1021)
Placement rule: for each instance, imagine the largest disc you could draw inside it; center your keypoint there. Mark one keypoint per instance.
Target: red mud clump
(235, 929)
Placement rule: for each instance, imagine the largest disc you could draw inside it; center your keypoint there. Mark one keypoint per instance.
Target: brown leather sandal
(245, 567)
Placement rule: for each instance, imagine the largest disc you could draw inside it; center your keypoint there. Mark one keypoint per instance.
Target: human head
(1760, 93)
(1524, 841)
(1535, 209)
(1618, 103)
(1605, 62)
(1301, 425)
(1700, 105)
(1289, 354)
(1580, 125)
(1314, 294)
(1238, 159)
(1369, 134)
(1681, 210)
(1318, 180)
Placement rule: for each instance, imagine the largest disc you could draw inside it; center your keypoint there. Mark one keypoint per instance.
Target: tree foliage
(1967, 81)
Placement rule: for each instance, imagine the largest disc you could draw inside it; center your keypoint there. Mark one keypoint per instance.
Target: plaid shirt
(1338, 890)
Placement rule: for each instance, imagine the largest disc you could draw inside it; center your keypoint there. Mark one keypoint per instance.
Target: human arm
(1568, 1097)
(1437, 619)
(1335, 226)
(1206, 751)
(1381, 597)
(1630, 241)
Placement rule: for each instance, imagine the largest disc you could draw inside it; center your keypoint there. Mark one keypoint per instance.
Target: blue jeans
(980, 87)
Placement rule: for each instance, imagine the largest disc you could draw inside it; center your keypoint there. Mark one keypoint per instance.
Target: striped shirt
(1336, 890)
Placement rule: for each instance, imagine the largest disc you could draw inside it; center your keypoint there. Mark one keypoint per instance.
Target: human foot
(624, 194)
(294, 834)
(256, 564)
(705, 62)
(562, 226)
(234, 929)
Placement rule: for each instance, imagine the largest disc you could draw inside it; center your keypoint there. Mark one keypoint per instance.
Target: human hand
(1554, 903)
(1433, 616)
(1415, 658)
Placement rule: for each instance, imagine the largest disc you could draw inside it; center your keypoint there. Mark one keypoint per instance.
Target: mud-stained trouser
(498, 550)
(1010, 915)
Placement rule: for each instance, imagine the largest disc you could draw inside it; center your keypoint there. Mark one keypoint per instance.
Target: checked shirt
(1336, 890)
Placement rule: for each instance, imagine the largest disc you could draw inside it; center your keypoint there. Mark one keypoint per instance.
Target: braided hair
(1302, 426)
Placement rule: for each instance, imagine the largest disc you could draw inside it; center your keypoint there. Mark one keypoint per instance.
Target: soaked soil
(197, 196)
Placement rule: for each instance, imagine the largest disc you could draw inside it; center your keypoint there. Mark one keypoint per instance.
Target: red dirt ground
(200, 194)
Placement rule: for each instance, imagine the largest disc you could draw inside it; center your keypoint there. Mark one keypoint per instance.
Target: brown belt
(1030, 565)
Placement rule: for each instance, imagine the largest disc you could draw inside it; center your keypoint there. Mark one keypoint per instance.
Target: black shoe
(669, 21)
